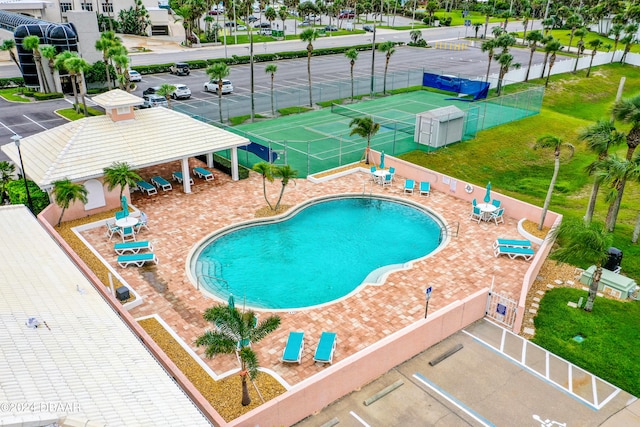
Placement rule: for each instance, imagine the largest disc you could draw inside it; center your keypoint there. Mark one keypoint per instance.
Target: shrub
(18, 195)
(39, 96)
(11, 82)
(224, 165)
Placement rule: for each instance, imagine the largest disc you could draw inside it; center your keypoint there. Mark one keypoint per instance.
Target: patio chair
(133, 247)
(177, 176)
(392, 170)
(409, 185)
(474, 202)
(387, 181)
(293, 349)
(145, 187)
(326, 348)
(203, 173)
(128, 234)
(112, 228)
(512, 243)
(138, 259)
(497, 216)
(476, 214)
(495, 203)
(120, 215)
(162, 183)
(425, 188)
(142, 222)
(513, 252)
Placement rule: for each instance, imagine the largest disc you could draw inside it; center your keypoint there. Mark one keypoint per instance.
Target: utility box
(439, 127)
(614, 260)
(122, 293)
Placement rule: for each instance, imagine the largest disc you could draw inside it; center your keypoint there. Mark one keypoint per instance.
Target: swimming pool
(320, 252)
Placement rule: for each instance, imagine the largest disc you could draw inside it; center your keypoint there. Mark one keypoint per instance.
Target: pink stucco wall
(361, 368)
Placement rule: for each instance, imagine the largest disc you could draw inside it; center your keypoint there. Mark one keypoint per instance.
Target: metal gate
(501, 309)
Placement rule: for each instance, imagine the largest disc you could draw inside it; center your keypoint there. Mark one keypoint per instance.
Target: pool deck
(177, 221)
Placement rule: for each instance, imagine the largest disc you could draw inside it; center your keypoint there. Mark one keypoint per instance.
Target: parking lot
(475, 386)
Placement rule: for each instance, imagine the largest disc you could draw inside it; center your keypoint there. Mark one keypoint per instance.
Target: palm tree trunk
(309, 76)
(593, 289)
(220, 102)
(75, 91)
(544, 64)
(547, 200)
(273, 111)
(280, 197)
(251, 69)
(592, 202)
(384, 80)
(488, 68)
(61, 215)
(352, 64)
(636, 230)
(593, 53)
(526, 78)
(106, 65)
(246, 400)
(614, 208)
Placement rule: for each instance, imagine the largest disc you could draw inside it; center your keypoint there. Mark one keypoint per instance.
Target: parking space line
(354, 415)
(479, 418)
(34, 122)
(7, 128)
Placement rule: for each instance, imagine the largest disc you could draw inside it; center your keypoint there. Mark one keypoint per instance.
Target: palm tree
(283, 14)
(628, 40)
(366, 128)
(616, 31)
(219, 71)
(534, 38)
(505, 59)
(309, 35)
(389, 49)
(120, 174)
(615, 172)
(166, 90)
(547, 24)
(476, 28)
(526, 17)
(489, 47)
(271, 15)
(285, 173)
(587, 243)
(594, 45)
(488, 11)
(266, 170)
(104, 44)
(66, 192)
(9, 46)
(271, 69)
(32, 43)
(49, 52)
(598, 137)
(551, 141)
(75, 65)
(6, 173)
(552, 47)
(580, 32)
(352, 56)
(232, 333)
(573, 22)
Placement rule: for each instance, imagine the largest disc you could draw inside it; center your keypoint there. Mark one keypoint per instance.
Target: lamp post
(373, 56)
(428, 295)
(16, 139)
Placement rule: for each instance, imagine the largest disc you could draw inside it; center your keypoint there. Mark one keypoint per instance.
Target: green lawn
(565, 35)
(14, 94)
(611, 331)
(504, 155)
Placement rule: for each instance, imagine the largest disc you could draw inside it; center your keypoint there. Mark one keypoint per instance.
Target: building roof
(117, 98)
(85, 356)
(81, 149)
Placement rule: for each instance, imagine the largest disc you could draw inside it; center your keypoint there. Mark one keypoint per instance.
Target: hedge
(39, 96)
(11, 82)
(18, 195)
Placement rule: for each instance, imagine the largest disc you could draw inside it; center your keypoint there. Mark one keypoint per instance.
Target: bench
(138, 259)
(133, 247)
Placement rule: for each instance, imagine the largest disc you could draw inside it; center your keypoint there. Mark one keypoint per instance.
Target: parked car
(331, 28)
(265, 31)
(347, 14)
(134, 76)
(230, 24)
(368, 28)
(181, 92)
(263, 25)
(151, 90)
(242, 28)
(304, 23)
(180, 69)
(212, 86)
(154, 101)
(252, 19)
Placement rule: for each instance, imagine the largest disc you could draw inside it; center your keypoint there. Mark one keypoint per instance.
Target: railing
(215, 283)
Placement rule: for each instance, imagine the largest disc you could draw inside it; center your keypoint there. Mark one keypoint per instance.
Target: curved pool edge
(373, 280)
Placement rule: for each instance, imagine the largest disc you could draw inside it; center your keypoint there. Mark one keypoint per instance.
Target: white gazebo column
(210, 160)
(186, 175)
(234, 164)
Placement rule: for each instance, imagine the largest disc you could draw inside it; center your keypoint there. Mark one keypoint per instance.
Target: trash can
(614, 260)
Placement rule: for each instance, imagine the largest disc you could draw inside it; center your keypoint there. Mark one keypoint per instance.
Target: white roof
(81, 149)
(87, 358)
(117, 98)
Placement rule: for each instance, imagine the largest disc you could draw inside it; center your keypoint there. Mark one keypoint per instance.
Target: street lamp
(16, 139)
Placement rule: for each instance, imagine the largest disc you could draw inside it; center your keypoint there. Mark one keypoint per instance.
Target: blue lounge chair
(145, 187)
(160, 182)
(133, 247)
(138, 259)
(177, 176)
(425, 188)
(514, 252)
(409, 185)
(326, 347)
(203, 173)
(293, 350)
(512, 243)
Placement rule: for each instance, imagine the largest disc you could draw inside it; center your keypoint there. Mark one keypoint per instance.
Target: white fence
(564, 66)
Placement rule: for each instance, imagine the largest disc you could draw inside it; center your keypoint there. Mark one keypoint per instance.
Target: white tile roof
(88, 358)
(80, 150)
(117, 98)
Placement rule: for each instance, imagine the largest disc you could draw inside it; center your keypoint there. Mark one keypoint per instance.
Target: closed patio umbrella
(232, 302)
(125, 205)
(382, 160)
(487, 196)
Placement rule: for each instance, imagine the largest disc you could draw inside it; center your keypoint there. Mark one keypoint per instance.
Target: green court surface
(319, 140)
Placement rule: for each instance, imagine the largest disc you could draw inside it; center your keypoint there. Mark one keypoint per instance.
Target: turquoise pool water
(321, 253)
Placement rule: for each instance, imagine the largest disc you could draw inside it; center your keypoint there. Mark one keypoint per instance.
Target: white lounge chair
(409, 185)
(133, 247)
(326, 348)
(137, 259)
(160, 182)
(425, 188)
(145, 187)
(203, 173)
(512, 243)
(177, 176)
(293, 349)
(514, 252)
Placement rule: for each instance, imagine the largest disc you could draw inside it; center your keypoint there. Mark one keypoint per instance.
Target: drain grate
(578, 338)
